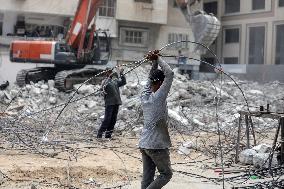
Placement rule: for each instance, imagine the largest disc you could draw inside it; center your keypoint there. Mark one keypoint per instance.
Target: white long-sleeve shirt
(155, 133)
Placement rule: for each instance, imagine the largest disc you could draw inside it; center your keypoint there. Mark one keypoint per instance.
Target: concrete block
(261, 160)
(14, 93)
(35, 90)
(51, 84)
(246, 156)
(2, 95)
(262, 148)
(183, 150)
(91, 104)
(28, 87)
(44, 86)
(85, 89)
(52, 100)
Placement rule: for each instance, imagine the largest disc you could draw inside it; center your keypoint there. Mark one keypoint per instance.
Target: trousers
(152, 159)
(109, 121)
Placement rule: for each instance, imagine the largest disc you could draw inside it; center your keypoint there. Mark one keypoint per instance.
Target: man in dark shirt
(110, 87)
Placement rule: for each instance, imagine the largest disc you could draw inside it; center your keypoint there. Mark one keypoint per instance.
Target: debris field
(48, 137)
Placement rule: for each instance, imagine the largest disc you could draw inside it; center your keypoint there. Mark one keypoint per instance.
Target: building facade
(135, 26)
(251, 41)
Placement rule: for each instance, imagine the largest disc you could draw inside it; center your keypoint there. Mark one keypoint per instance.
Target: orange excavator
(70, 58)
(82, 46)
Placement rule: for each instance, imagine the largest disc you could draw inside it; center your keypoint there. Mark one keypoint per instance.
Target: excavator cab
(102, 49)
(72, 61)
(99, 53)
(63, 54)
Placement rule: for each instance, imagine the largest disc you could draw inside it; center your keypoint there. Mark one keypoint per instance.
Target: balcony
(155, 11)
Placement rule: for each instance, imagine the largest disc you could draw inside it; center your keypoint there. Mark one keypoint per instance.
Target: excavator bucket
(205, 30)
(205, 27)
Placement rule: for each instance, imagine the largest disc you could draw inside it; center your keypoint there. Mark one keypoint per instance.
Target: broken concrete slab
(261, 160)
(262, 148)
(246, 156)
(50, 84)
(52, 100)
(7, 95)
(35, 90)
(183, 150)
(44, 86)
(84, 89)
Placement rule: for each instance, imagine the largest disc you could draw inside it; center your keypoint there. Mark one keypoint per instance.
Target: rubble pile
(192, 104)
(258, 156)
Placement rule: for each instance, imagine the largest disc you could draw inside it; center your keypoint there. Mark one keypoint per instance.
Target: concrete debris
(131, 90)
(136, 131)
(255, 92)
(44, 139)
(258, 156)
(51, 84)
(91, 104)
(52, 100)
(183, 94)
(197, 122)
(28, 87)
(175, 116)
(2, 95)
(44, 86)
(33, 186)
(16, 107)
(189, 144)
(8, 96)
(261, 160)
(246, 156)
(35, 90)
(85, 89)
(83, 109)
(92, 182)
(223, 94)
(262, 148)
(14, 93)
(192, 104)
(185, 148)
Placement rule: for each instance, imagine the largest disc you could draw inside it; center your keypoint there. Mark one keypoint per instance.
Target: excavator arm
(205, 27)
(68, 58)
(85, 13)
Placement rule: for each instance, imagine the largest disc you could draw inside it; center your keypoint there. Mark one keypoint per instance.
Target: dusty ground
(107, 164)
(72, 160)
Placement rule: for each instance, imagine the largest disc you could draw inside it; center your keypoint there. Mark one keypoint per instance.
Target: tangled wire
(30, 131)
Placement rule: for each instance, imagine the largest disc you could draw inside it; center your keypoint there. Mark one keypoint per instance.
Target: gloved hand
(153, 55)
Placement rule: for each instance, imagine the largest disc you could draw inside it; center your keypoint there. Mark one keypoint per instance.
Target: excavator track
(34, 75)
(60, 81)
(65, 80)
(21, 78)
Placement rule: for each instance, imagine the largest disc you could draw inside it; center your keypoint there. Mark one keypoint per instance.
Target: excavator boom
(68, 58)
(85, 13)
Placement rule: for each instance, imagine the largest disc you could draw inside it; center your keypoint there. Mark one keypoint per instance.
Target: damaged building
(251, 41)
(135, 27)
(225, 131)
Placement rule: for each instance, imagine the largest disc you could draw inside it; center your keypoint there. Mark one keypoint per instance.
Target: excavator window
(61, 47)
